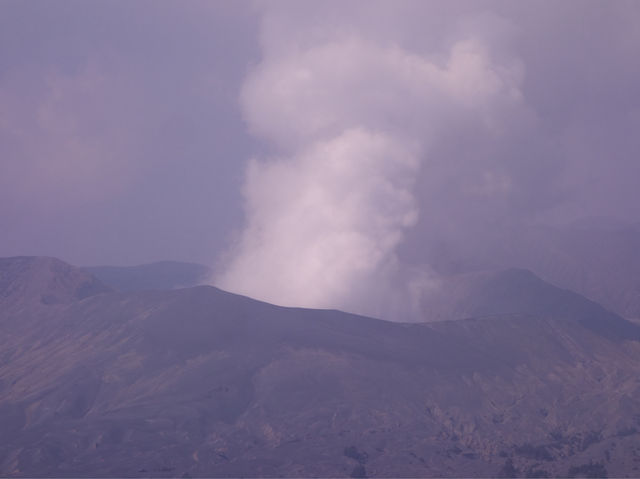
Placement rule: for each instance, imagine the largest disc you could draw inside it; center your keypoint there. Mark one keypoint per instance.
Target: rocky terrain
(200, 382)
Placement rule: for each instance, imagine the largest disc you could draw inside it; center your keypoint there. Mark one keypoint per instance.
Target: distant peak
(44, 280)
(159, 275)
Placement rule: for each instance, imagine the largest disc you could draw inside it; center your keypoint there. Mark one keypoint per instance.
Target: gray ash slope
(201, 382)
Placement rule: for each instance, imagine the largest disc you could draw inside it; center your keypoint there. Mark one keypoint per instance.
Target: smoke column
(352, 121)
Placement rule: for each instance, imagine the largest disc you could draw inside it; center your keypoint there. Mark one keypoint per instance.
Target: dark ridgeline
(200, 382)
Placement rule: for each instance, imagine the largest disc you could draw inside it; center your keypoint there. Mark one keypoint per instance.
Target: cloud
(122, 141)
(354, 121)
(65, 136)
(119, 124)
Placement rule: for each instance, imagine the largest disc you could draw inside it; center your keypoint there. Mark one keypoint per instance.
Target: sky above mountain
(300, 147)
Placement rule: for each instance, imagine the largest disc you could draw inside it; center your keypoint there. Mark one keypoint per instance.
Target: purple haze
(126, 129)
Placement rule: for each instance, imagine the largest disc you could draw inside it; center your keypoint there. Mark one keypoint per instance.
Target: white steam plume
(353, 120)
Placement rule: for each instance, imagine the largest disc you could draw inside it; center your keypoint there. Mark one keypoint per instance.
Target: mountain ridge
(202, 382)
(53, 280)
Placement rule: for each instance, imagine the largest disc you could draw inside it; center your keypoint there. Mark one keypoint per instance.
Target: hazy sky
(298, 146)
(121, 139)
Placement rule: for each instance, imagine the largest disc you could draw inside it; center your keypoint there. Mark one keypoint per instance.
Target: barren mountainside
(200, 382)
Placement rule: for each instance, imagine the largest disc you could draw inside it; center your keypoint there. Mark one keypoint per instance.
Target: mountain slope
(600, 261)
(518, 293)
(206, 383)
(41, 280)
